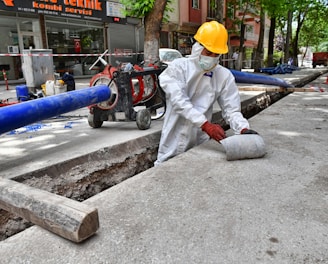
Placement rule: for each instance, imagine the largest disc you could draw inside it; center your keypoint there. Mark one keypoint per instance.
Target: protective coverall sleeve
(229, 101)
(173, 82)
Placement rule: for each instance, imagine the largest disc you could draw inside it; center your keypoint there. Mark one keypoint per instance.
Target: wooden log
(67, 218)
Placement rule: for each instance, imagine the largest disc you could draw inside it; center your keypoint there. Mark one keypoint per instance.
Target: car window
(169, 55)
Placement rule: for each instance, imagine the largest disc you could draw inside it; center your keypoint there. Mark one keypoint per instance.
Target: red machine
(136, 94)
(6, 102)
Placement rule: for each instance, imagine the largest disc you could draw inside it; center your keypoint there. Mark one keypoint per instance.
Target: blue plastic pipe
(246, 77)
(28, 112)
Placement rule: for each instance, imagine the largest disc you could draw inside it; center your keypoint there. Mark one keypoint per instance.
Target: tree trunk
(300, 20)
(288, 35)
(271, 41)
(259, 50)
(241, 47)
(219, 13)
(152, 32)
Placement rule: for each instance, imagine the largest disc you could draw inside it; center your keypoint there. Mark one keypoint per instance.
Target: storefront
(178, 37)
(73, 43)
(76, 32)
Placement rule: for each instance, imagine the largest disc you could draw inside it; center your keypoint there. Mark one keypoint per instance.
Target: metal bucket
(239, 147)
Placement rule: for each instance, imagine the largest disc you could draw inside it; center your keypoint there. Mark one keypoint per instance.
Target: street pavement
(197, 207)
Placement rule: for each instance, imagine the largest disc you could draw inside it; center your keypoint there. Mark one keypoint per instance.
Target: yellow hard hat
(213, 36)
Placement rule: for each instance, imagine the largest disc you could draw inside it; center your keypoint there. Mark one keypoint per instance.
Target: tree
(244, 7)
(152, 13)
(259, 50)
(274, 9)
(314, 31)
(298, 13)
(218, 6)
(288, 34)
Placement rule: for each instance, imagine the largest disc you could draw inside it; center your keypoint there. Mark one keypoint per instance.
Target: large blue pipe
(28, 112)
(246, 77)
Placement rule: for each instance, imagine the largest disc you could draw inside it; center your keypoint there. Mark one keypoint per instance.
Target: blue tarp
(280, 69)
(247, 77)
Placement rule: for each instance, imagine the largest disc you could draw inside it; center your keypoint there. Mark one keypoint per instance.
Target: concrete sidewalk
(200, 208)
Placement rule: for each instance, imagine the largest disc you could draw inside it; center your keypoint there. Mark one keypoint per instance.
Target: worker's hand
(246, 131)
(214, 131)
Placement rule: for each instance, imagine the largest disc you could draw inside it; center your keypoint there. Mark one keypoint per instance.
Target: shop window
(185, 44)
(83, 41)
(16, 34)
(195, 4)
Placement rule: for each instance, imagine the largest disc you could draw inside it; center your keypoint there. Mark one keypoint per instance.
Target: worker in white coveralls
(192, 85)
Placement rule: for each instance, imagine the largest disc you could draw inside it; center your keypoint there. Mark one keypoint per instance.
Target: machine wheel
(111, 103)
(93, 122)
(143, 119)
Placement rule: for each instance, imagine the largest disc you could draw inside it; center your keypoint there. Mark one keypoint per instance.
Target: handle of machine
(100, 58)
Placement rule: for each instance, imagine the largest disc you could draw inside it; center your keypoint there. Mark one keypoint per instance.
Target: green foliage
(314, 30)
(323, 46)
(86, 41)
(213, 4)
(277, 56)
(138, 8)
(275, 8)
(141, 8)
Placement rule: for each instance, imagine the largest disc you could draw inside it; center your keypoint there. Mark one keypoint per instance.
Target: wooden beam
(65, 217)
(262, 88)
(279, 89)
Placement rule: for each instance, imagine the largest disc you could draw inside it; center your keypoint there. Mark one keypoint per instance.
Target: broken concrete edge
(114, 154)
(105, 156)
(303, 81)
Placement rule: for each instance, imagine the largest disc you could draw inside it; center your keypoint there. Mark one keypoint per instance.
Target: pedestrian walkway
(200, 208)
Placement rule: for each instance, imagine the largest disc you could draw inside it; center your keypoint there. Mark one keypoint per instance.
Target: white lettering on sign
(88, 4)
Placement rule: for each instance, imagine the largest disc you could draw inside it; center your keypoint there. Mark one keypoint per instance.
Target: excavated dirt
(89, 175)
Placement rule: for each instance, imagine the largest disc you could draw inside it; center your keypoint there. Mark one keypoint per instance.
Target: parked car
(167, 55)
(82, 68)
(79, 67)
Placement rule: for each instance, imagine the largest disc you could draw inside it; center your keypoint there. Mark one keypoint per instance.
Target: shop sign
(84, 9)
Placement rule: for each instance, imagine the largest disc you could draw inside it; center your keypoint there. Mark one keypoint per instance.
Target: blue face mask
(207, 63)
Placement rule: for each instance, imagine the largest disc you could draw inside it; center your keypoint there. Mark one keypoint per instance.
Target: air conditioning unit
(13, 49)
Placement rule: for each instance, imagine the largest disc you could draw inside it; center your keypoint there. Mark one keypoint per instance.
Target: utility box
(38, 67)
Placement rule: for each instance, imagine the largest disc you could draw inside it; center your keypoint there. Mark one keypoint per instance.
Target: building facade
(78, 31)
(188, 15)
(75, 31)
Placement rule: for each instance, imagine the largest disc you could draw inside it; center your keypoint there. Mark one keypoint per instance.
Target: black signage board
(80, 9)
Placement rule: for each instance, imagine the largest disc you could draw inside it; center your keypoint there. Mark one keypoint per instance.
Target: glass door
(29, 34)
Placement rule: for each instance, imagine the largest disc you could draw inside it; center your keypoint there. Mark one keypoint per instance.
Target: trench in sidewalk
(86, 176)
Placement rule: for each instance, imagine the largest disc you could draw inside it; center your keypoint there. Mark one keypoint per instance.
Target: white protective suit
(190, 95)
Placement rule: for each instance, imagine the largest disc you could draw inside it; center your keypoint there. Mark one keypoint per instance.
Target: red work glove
(214, 131)
(246, 131)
